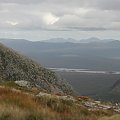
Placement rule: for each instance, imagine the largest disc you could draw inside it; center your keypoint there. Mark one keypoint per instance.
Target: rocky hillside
(15, 67)
(112, 94)
(116, 88)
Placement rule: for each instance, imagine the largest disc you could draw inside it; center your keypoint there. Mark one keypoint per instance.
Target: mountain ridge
(61, 40)
(15, 67)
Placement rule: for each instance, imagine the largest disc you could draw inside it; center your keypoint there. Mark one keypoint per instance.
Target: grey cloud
(102, 4)
(88, 28)
(81, 15)
(108, 4)
(21, 1)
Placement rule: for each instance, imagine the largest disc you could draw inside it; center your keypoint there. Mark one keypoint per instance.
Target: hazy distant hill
(96, 40)
(88, 40)
(15, 67)
(92, 39)
(60, 40)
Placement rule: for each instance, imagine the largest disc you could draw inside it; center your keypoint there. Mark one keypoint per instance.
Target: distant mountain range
(15, 67)
(89, 40)
(61, 40)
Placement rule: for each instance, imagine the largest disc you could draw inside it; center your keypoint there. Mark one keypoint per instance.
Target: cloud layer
(60, 15)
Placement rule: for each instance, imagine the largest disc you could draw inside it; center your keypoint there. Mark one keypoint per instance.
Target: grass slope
(18, 104)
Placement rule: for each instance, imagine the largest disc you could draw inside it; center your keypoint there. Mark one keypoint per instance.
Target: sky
(44, 19)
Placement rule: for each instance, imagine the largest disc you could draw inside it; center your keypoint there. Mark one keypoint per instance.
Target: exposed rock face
(23, 83)
(16, 67)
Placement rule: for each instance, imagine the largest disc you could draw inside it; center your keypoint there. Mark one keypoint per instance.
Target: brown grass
(115, 117)
(16, 105)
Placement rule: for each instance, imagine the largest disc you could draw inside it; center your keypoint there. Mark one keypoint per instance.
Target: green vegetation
(12, 84)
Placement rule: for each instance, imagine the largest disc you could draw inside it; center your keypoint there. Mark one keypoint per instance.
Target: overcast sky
(43, 19)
